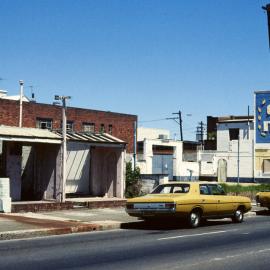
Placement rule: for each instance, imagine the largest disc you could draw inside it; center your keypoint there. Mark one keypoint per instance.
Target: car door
(224, 203)
(208, 201)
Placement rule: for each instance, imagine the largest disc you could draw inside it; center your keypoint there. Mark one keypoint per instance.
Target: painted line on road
(196, 234)
(228, 257)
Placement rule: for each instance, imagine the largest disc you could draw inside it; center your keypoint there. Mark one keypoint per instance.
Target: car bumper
(151, 209)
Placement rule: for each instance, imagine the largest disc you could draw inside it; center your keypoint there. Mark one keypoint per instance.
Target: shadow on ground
(168, 225)
(263, 212)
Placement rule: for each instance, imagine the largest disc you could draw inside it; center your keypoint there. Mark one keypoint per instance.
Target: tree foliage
(133, 181)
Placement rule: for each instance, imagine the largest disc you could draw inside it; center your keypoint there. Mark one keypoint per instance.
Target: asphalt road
(215, 245)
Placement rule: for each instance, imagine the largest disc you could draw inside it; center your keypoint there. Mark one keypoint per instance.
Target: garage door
(78, 168)
(163, 164)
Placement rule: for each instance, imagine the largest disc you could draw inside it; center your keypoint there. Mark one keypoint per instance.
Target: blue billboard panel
(262, 117)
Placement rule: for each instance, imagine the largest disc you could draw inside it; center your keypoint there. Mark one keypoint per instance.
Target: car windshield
(171, 188)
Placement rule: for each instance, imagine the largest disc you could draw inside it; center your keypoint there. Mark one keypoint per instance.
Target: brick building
(98, 144)
(79, 120)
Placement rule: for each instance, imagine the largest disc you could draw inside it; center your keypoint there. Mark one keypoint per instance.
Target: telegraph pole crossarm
(179, 121)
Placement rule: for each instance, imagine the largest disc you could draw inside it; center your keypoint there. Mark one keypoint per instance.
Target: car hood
(157, 198)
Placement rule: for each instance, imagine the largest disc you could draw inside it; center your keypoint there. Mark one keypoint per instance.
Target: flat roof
(8, 133)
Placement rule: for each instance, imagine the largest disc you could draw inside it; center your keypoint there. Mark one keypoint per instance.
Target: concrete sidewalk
(25, 225)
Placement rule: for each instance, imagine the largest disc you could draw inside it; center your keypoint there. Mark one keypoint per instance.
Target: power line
(154, 120)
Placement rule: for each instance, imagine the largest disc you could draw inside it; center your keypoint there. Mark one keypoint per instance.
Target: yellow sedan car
(263, 199)
(193, 201)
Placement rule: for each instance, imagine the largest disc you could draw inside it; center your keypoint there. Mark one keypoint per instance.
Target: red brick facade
(122, 124)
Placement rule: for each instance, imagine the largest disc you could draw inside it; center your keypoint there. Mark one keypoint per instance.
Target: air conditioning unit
(163, 137)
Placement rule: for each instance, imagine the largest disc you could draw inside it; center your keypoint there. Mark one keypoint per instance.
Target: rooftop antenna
(32, 93)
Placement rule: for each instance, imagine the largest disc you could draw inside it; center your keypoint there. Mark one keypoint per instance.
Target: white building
(234, 155)
(233, 159)
(163, 159)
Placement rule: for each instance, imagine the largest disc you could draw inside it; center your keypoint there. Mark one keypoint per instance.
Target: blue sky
(145, 57)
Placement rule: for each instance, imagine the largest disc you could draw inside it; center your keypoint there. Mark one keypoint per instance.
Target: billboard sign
(262, 117)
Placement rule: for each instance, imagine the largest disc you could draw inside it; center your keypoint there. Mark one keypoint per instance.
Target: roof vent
(3, 93)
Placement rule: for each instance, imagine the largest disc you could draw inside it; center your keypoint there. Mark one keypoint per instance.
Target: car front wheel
(194, 219)
(238, 215)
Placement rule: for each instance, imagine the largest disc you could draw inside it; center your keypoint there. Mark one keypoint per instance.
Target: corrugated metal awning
(94, 138)
(18, 134)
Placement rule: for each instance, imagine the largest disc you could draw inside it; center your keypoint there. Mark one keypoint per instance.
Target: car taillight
(169, 205)
(130, 206)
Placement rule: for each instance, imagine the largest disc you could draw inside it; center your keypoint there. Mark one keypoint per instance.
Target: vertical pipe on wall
(238, 158)
(21, 98)
(135, 144)
(248, 125)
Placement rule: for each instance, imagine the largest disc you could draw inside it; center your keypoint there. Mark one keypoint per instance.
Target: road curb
(22, 234)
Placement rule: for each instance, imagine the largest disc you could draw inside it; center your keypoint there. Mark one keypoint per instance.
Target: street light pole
(64, 143)
(267, 9)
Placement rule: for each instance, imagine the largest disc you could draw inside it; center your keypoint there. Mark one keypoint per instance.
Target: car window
(171, 188)
(216, 190)
(204, 190)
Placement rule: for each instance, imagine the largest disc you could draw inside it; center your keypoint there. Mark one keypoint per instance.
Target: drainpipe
(238, 158)
(21, 97)
(135, 144)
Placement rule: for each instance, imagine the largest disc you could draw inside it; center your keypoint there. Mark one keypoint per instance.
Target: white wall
(185, 168)
(223, 137)
(151, 133)
(231, 157)
(180, 167)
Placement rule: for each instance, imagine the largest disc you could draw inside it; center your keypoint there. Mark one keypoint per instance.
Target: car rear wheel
(238, 216)
(194, 219)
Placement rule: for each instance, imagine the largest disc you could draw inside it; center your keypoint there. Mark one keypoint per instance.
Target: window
(44, 123)
(110, 129)
(204, 190)
(69, 125)
(89, 127)
(266, 166)
(102, 128)
(211, 190)
(234, 133)
(171, 188)
(216, 190)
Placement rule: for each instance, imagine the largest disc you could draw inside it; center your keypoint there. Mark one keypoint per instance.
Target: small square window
(110, 131)
(234, 133)
(89, 127)
(69, 125)
(102, 128)
(44, 123)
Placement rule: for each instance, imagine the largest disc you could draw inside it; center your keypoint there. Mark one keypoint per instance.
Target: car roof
(189, 182)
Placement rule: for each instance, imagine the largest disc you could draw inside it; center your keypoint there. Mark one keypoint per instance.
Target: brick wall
(122, 124)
